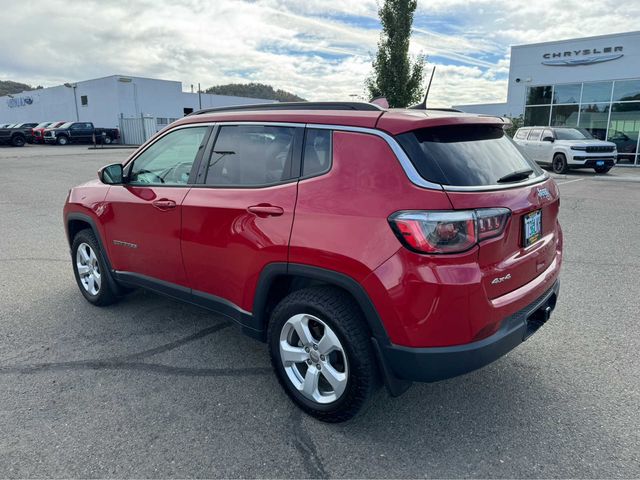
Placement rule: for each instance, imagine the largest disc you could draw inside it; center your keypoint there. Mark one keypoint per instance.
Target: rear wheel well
(285, 284)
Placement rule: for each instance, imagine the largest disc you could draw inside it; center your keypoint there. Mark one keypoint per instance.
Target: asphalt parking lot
(154, 388)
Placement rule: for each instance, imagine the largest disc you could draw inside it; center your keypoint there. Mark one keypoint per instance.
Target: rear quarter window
(522, 134)
(535, 134)
(464, 155)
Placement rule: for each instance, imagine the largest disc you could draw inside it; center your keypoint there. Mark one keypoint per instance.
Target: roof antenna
(423, 104)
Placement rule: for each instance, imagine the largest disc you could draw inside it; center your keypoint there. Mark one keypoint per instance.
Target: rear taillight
(447, 231)
(491, 222)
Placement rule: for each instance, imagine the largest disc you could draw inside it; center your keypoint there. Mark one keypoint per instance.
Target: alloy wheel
(88, 269)
(313, 358)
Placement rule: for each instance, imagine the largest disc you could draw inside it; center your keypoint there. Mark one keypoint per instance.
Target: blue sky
(319, 49)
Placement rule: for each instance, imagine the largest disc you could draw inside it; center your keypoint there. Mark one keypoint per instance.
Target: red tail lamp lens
(491, 222)
(447, 232)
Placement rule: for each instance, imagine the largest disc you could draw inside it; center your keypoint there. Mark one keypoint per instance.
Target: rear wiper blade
(515, 176)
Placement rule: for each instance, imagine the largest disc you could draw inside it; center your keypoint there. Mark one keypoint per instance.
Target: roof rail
(361, 106)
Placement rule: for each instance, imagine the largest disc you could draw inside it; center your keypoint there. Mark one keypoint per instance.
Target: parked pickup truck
(17, 134)
(80, 132)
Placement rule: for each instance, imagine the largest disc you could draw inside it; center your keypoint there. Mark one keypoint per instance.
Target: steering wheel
(141, 177)
(176, 174)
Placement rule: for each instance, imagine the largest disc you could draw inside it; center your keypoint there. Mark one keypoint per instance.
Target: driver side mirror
(548, 139)
(111, 174)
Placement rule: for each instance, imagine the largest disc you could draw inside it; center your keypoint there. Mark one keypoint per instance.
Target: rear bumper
(438, 363)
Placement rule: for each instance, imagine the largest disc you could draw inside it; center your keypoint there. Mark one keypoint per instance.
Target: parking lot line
(571, 181)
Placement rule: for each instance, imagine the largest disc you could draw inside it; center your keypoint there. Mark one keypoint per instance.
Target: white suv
(563, 148)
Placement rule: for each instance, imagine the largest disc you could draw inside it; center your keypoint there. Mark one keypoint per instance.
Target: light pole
(75, 98)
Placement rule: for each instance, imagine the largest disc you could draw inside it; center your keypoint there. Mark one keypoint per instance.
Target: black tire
(559, 164)
(107, 292)
(62, 140)
(602, 169)
(108, 140)
(18, 141)
(338, 310)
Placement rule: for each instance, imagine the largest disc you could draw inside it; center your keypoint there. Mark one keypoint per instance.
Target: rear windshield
(465, 155)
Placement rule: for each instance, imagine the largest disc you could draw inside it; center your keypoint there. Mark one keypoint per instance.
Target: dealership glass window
(624, 128)
(596, 92)
(564, 115)
(569, 93)
(626, 90)
(539, 95)
(594, 118)
(536, 115)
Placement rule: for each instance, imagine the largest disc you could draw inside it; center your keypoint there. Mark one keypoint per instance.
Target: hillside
(7, 87)
(254, 90)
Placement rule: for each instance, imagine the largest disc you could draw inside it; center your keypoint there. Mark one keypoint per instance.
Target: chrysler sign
(587, 56)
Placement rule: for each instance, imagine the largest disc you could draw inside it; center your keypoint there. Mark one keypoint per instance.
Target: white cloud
(319, 49)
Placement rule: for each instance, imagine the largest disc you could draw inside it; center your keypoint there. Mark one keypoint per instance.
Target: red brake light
(491, 222)
(448, 231)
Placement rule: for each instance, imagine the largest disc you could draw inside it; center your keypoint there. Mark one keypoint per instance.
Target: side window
(317, 152)
(535, 134)
(169, 160)
(251, 155)
(547, 133)
(522, 134)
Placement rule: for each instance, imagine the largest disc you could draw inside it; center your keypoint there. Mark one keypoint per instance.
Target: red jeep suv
(363, 245)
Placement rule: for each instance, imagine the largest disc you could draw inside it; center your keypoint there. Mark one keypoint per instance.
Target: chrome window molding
(413, 174)
(399, 153)
(402, 157)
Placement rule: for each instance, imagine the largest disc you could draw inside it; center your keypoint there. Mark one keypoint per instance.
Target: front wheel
(559, 164)
(18, 141)
(322, 354)
(602, 169)
(62, 140)
(90, 269)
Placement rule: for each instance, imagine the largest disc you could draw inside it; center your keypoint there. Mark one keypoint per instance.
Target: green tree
(395, 75)
(254, 90)
(516, 123)
(7, 87)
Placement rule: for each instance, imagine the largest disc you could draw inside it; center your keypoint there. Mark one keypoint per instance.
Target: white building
(592, 82)
(107, 101)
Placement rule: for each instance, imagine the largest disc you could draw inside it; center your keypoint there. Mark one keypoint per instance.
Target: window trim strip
(401, 156)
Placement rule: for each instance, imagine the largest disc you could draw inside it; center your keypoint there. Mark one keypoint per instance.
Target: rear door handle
(164, 204)
(265, 210)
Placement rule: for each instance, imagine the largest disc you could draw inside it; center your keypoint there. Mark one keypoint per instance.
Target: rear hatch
(481, 168)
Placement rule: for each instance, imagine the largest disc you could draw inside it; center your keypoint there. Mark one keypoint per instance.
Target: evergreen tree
(395, 75)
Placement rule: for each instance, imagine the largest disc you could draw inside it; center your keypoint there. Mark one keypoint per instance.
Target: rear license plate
(600, 163)
(532, 227)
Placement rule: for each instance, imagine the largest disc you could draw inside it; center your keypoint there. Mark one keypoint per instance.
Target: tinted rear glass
(464, 155)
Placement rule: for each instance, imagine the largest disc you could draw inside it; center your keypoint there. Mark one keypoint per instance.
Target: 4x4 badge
(498, 280)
